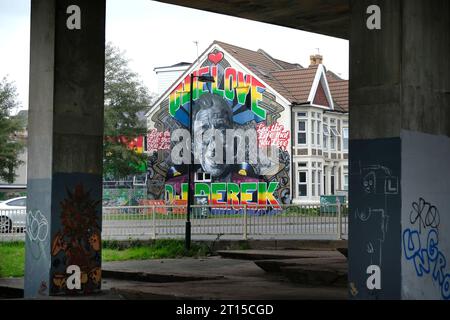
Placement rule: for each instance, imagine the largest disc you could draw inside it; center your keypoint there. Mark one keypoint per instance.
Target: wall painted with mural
(425, 216)
(76, 232)
(236, 100)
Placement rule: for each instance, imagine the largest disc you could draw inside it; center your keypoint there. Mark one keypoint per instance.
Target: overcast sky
(155, 34)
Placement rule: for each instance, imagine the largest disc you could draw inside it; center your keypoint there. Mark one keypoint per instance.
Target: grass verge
(12, 254)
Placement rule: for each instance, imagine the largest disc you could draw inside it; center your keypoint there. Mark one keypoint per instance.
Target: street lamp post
(203, 78)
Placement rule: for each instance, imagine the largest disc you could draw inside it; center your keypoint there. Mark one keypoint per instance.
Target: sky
(154, 34)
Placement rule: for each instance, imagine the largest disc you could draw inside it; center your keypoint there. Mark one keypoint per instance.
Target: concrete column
(399, 233)
(63, 250)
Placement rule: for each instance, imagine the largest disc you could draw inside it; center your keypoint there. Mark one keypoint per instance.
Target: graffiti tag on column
(37, 231)
(425, 214)
(428, 258)
(37, 226)
(390, 185)
(365, 215)
(378, 184)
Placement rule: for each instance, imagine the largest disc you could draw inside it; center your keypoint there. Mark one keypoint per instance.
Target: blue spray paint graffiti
(427, 259)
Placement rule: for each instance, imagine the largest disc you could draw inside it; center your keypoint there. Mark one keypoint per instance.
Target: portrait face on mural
(212, 112)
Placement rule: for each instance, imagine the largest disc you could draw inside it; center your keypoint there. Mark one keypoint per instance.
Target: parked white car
(13, 214)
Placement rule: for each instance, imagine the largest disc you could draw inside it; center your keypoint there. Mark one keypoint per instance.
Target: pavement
(248, 275)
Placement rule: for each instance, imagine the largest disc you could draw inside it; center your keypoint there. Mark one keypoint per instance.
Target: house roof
(339, 91)
(298, 82)
(262, 64)
(179, 64)
(290, 80)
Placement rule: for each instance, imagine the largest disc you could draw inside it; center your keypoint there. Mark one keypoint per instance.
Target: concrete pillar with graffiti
(63, 235)
(399, 239)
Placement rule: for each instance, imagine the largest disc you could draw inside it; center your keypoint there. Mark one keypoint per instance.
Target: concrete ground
(213, 278)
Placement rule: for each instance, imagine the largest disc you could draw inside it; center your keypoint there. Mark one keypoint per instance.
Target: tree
(126, 101)
(10, 144)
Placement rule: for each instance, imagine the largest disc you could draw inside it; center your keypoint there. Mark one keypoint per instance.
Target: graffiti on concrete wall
(421, 246)
(425, 224)
(377, 180)
(77, 243)
(37, 229)
(374, 219)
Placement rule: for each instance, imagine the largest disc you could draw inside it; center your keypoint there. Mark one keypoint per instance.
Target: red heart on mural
(215, 57)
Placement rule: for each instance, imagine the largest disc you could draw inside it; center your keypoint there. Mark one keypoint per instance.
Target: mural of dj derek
(212, 112)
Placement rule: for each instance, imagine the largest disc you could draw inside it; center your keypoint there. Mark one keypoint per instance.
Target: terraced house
(301, 112)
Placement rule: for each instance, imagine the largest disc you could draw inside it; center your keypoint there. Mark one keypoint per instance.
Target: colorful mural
(236, 101)
(158, 140)
(77, 243)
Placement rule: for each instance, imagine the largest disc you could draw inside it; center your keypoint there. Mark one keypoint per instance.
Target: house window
(301, 132)
(345, 139)
(302, 183)
(319, 179)
(332, 180)
(334, 134)
(313, 183)
(319, 126)
(301, 114)
(326, 135)
(313, 132)
(325, 168)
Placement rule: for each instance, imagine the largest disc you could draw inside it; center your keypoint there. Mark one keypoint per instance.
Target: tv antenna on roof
(196, 44)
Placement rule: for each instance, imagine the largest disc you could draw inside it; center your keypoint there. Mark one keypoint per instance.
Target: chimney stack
(315, 59)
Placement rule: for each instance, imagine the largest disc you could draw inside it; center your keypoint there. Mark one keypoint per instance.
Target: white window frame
(326, 135)
(334, 134)
(318, 135)
(319, 182)
(332, 180)
(313, 182)
(305, 183)
(305, 120)
(345, 137)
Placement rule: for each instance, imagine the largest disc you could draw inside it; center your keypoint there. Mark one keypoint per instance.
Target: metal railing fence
(238, 221)
(225, 221)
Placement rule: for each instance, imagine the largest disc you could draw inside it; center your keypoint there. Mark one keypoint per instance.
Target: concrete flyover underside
(328, 17)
